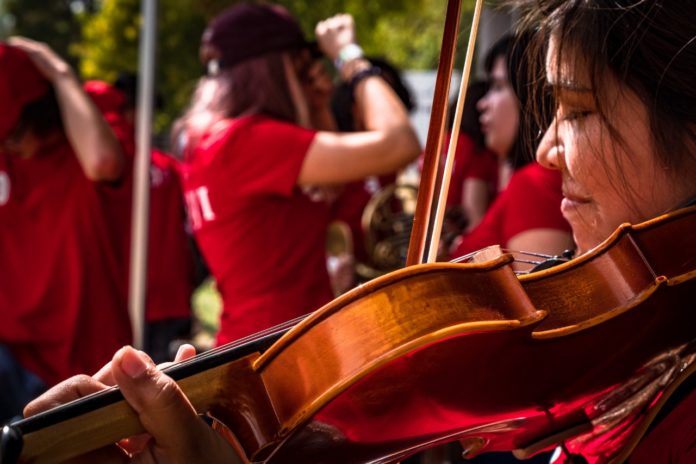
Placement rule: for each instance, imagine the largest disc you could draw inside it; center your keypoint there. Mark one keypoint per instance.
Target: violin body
(441, 352)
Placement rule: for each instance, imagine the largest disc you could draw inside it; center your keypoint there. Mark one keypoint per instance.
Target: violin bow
(430, 209)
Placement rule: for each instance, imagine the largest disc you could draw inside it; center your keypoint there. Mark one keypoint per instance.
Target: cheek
(585, 153)
(604, 172)
(511, 110)
(508, 126)
(513, 122)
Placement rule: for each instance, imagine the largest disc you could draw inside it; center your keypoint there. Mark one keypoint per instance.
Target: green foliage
(101, 38)
(53, 22)
(111, 40)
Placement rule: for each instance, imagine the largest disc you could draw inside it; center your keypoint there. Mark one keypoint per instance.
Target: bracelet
(348, 53)
(361, 75)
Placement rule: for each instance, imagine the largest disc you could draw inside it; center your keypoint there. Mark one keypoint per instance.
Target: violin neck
(104, 418)
(98, 427)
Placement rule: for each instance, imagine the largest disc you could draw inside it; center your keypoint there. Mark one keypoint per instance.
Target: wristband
(361, 75)
(348, 53)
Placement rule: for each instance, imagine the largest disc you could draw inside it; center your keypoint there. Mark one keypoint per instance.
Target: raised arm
(388, 142)
(93, 141)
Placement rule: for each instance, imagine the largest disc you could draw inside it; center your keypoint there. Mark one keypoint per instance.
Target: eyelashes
(576, 115)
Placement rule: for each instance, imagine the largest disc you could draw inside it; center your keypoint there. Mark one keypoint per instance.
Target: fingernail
(132, 363)
(179, 352)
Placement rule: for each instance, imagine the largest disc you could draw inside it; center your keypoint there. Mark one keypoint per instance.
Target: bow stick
(427, 223)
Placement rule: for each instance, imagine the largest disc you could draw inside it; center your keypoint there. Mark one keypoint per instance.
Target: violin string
(244, 340)
(529, 253)
(293, 322)
(514, 253)
(463, 258)
(528, 261)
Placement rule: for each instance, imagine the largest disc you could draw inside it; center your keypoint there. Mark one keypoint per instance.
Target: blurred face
(310, 85)
(500, 111)
(607, 180)
(22, 143)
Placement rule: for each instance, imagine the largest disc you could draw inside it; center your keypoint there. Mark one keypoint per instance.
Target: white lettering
(4, 188)
(199, 207)
(204, 200)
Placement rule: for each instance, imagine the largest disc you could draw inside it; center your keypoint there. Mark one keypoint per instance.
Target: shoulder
(164, 160)
(254, 129)
(276, 133)
(534, 181)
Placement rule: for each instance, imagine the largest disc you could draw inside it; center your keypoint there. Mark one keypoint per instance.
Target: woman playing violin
(623, 137)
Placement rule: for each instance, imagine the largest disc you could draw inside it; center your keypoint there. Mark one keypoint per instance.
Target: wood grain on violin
(438, 352)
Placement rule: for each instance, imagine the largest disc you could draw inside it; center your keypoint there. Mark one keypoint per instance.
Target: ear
(208, 52)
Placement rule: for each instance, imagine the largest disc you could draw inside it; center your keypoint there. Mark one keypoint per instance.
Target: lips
(574, 196)
(572, 200)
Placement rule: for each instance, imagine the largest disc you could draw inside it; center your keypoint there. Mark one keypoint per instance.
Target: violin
(437, 352)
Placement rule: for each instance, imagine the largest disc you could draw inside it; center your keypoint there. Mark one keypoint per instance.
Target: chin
(585, 243)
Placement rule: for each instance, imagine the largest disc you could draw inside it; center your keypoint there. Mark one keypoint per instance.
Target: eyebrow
(568, 86)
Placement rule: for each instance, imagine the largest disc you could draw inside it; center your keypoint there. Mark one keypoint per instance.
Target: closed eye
(576, 115)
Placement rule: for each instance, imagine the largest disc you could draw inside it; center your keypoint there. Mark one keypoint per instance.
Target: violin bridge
(486, 254)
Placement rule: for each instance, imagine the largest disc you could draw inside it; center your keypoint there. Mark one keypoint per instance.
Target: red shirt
(262, 237)
(532, 200)
(61, 295)
(170, 265)
(471, 164)
(169, 283)
(170, 258)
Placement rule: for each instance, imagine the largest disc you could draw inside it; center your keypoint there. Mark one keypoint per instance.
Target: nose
(551, 149)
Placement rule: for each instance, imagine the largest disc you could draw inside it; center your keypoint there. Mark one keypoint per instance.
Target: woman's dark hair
(521, 58)
(254, 86)
(127, 82)
(470, 123)
(342, 98)
(40, 117)
(647, 46)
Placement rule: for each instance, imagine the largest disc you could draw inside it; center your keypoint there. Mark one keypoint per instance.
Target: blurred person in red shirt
(263, 159)
(61, 172)
(170, 264)
(526, 214)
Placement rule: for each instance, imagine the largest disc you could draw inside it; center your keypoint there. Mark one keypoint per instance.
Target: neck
(504, 173)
